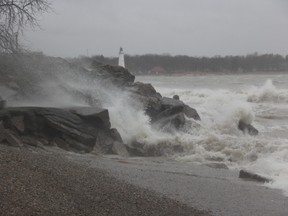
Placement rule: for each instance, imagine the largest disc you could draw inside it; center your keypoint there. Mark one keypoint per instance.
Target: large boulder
(247, 175)
(79, 129)
(171, 114)
(98, 117)
(247, 128)
(171, 123)
(168, 103)
(146, 95)
(110, 142)
(165, 113)
(144, 89)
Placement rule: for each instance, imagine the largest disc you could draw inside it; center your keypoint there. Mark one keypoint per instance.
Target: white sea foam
(219, 140)
(267, 93)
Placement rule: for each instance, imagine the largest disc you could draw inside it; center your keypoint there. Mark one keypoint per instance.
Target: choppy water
(221, 102)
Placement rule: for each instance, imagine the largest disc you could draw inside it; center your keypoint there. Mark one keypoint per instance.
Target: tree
(14, 16)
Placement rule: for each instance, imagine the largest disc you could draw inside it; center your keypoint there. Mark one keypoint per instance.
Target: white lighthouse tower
(121, 61)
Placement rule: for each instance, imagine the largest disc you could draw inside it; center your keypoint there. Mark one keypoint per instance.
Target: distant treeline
(144, 64)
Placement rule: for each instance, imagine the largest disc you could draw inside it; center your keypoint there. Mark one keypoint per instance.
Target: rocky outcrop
(115, 75)
(170, 103)
(166, 114)
(85, 129)
(146, 95)
(79, 129)
(169, 114)
(246, 175)
(247, 128)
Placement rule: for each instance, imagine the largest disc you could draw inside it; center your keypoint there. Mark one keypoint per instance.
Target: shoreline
(199, 74)
(218, 191)
(45, 182)
(55, 182)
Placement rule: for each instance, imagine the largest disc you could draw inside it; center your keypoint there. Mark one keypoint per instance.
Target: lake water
(221, 101)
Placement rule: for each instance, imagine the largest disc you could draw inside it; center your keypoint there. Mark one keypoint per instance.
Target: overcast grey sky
(188, 27)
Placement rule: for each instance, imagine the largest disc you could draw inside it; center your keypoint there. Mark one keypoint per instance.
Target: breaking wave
(268, 93)
(218, 140)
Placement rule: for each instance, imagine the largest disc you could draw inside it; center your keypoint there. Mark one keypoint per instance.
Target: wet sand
(44, 182)
(218, 191)
(55, 182)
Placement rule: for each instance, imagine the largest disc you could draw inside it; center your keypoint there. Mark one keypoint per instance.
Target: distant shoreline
(213, 74)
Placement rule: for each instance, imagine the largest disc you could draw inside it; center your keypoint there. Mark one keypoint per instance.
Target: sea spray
(218, 140)
(267, 93)
(220, 104)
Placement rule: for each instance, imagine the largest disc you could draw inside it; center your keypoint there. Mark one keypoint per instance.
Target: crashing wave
(267, 93)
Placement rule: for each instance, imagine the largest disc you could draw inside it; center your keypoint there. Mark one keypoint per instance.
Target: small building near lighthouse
(121, 61)
(157, 71)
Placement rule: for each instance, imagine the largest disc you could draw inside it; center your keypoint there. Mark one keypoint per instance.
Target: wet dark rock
(167, 103)
(9, 138)
(144, 89)
(191, 112)
(116, 75)
(78, 129)
(137, 149)
(171, 111)
(33, 141)
(2, 103)
(172, 114)
(147, 96)
(115, 135)
(247, 128)
(176, 97)
(18, 123)
(243, 174)
(170, 123)
(151, 105)
(165, 113)
(106, 140)
(170, 102)
(97, 116)
(120, 148)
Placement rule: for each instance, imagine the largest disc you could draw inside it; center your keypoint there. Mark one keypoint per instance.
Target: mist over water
(64, 86)
(222, 101)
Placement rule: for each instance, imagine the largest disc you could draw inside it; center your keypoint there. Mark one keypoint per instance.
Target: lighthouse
(121, 61)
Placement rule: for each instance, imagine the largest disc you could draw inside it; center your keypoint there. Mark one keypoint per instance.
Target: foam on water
(219, 140)
(267, 93)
